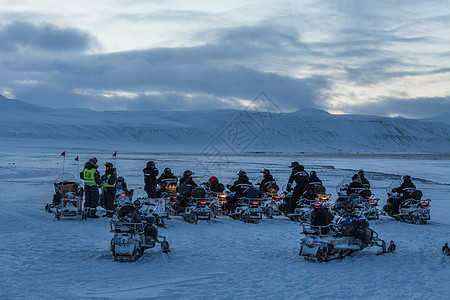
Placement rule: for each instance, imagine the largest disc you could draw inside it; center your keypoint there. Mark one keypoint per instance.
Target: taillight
(255, 203)
(316, 204)
(123, 195)
(203, 203)
(372, 203)
(424, 204)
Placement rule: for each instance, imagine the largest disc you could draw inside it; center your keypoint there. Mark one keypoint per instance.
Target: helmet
(188, 173)
(150, 164)
(356, 178)
(108, 165)
(313, 174)
(242, 175)
(167, 171)
(294, 164)
(120, 179)
(361, 173)
(265, 171)
(213, 179)
(93, 160)
(406, 178)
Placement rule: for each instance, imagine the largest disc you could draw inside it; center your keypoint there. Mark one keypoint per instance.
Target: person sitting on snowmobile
(109, 188)
(404, 190)
(239, 189)
(187, 185)
(166, 177)
(321, 216)
(301, 178)
(315, 187)
(150, 173)
(122, 185)
(355, 185)
(268, 184)
(365, 182)
(92, 182)
(215, 186)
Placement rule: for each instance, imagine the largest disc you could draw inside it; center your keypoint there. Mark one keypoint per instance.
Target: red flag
(115, 154)
(76, 158)
(63, 154)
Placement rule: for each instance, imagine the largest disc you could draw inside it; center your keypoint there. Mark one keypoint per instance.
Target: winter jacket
(150, 176)
(89, 166)
(300, 177)
(267, 182)
(354, 185)
(404, 188)
(216, 187)
(109, 179)
(365, 182)
(240, 186)
(164, 178)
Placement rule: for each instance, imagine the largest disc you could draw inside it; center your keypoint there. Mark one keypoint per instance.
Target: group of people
(300, 184)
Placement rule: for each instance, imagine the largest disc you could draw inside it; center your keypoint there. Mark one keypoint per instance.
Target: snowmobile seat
(417, 195)
(366, 194)
(252, 193)
(198, 192)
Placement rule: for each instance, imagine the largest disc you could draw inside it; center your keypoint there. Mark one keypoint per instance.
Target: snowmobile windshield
(139, 194)
(342, 187)
(65, 177)
(394, 184)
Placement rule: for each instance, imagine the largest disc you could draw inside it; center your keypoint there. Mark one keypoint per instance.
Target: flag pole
(64, 162)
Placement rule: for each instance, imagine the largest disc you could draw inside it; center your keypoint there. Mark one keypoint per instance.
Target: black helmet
(356, 178)
(294, 164)
(265, 171)
(406, 178)
(188, 173)
(108, 165)
(313, 174)
(93, 160)
(361, 173)
(120, 179)
(242, 175)
(150, 164)
(167, 171)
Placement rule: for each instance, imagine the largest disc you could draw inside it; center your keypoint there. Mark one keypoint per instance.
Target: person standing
(109, 181)
(92, 182)
(150, 173)
(301, 178)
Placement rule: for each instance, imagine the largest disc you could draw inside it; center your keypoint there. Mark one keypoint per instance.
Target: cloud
(407, 107)
(17, 35)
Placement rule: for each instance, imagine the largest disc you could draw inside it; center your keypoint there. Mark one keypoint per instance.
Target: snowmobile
(134, 230)
(198, 207)
(359, 201)
(411, 210)
(121, 198)
(169, 193)
(333, 241)
(248, 208)
(68, 198)
(309, 200)
(446, 250)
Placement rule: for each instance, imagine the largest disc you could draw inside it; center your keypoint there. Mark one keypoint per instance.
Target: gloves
(289, 187)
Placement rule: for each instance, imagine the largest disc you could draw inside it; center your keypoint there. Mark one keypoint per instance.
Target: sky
(387, 58)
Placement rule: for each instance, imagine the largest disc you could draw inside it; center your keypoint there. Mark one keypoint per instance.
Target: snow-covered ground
(222, 259)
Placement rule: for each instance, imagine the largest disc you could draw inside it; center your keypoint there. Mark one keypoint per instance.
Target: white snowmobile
(68, 198)
(333, 241)
(198, 207)
(248, 208)
(361, 200)
(134, 229)
(411, 210)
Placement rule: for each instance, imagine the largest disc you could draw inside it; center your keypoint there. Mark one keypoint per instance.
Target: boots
(93, 214)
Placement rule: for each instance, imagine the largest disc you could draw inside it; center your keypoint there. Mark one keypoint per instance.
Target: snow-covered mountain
(231, 131)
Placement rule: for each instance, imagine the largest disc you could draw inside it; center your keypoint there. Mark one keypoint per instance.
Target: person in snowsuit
(355, 185)
(315, 187)
(166, 177)
(150, 173)
(187, 185)
(321, 216)
(301, 178)
(268, 183)
(215, 186)
(365, 182)
(404, 190)
(239, 189)
(92, 182)
(109, 180)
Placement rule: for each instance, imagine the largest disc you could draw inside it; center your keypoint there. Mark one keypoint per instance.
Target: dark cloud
(46, 37)
(412, 108)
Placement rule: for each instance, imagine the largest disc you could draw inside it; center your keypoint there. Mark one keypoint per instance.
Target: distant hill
(231, 131)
